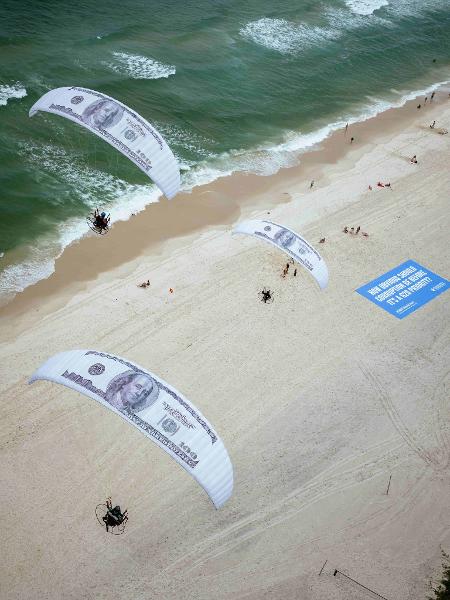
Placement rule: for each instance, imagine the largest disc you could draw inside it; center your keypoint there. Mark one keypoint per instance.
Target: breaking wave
(285, 36)
(8, 92)
(140, 67)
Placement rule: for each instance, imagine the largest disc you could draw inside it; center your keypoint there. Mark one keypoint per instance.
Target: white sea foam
(270, 158)
(88, 184)
(7, 92)
(365, 7)
(285, 36)
(123, 199)
(140, 67)
(401, 8)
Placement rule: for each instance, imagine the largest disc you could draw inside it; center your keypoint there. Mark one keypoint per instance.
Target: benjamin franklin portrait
(132, 391)
(284, 238)
(102, 114)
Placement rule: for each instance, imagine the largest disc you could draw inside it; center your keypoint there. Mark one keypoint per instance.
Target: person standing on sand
(425, 100)
(311, 184)
(346, 129)
(432, 125)
(357, 229)
(352, 140)
(295, 272)
(432, 96)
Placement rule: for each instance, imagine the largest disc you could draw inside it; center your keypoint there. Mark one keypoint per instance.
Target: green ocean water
(231, 86)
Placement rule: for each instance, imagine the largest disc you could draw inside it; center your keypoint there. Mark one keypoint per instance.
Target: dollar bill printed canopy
(289, 242)
(121, 127)
(158, 410)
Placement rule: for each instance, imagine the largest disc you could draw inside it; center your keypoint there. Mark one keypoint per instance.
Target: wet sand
(320, 397)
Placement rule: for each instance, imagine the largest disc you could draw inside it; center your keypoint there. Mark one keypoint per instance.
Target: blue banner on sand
(404, 289)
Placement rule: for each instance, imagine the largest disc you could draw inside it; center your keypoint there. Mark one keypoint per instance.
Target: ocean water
(232, 85)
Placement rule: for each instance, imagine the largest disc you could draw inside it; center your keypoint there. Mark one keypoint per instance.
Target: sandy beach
(321, 398)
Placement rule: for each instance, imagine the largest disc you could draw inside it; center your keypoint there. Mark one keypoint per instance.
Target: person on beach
(287, 267)
(431, 97)
(432, 125)
(419, 106)
(295, 272)
(425, 100)
(322, 241)
(352, 230)
(311, 184)
(370, 187)
(414, 160)
(352, 140)
(358, 229)
(345, 230)
(346, 129)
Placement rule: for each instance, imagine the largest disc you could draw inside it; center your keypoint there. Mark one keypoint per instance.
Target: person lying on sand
(144, 284)
(322, 241)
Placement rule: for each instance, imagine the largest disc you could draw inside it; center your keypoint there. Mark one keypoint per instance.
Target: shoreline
(213, 205)
(321, 398)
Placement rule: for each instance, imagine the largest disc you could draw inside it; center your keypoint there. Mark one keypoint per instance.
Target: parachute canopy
(290, 242)
(121, 127)
(155, 408)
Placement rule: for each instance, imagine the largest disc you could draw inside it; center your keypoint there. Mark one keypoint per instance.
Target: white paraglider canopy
(158, 410)
(290, 242)
(121, 127)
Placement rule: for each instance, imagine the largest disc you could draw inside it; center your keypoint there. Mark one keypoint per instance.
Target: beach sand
(319, 397)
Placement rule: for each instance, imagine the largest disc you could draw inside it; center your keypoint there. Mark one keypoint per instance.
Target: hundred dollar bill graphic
(289, 242)
(158, 410)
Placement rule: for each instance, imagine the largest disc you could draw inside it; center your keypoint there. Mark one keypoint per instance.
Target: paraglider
(98, 222)
(121, 127)
(113, 518)
(289, 242)
(151, 405)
